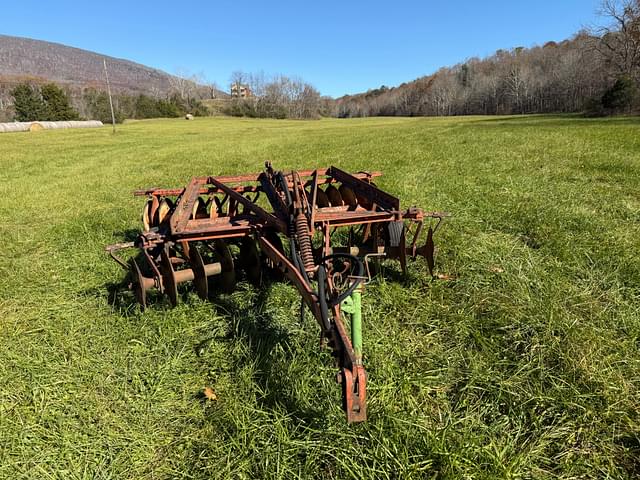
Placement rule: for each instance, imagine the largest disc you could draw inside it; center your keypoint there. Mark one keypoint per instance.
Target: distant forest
(596, 71)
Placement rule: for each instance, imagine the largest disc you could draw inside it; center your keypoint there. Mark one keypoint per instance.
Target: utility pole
(113, 116)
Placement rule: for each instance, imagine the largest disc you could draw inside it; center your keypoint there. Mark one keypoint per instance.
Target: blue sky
(340, 47)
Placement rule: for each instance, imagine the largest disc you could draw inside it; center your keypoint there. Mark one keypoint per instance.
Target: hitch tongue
(354, 388)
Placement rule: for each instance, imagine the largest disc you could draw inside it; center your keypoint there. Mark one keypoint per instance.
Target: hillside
(596, 71)
(25, 57)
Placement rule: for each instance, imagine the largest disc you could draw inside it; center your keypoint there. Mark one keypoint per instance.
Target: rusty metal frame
(295, 216)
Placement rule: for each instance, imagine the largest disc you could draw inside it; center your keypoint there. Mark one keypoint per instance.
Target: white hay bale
(14, 127)
(85, 124)
(188, 116)
(37, 126)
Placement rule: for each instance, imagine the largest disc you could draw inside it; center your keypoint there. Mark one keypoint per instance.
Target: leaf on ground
(445, 276)
(209, 394)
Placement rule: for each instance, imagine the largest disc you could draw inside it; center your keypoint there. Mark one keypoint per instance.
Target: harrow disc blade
(364, 201)
(322, 200)
(164, 211)
(199, 275)
(274, 239)
(217, 208)
(199, 209)
(334, 196)
(155, 204)
(348, 196)
(146, 216)
(169, 277)
(429, 251)
(212, 208)
(227, 278)
(251, 261)
(138, 285)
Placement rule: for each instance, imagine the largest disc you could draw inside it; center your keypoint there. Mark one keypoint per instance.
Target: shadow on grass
(270, 345)
(555, 120)
(252, 324)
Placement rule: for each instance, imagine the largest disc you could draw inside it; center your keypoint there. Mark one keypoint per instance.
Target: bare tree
(185, 84)
(619, 41)
(155, 92)
(213, 89)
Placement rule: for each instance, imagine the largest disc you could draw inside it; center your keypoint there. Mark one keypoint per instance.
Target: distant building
(240, 91)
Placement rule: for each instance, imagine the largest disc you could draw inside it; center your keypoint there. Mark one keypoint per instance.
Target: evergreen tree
(99, 108)
(621, 96)
(27, 103)
(57, 105)
(146, 107)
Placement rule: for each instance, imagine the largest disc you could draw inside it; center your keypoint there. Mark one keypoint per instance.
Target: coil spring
(304, 242)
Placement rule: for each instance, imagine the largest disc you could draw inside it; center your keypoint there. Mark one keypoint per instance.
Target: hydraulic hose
(285, 187)
(359, 277)
(322, 297)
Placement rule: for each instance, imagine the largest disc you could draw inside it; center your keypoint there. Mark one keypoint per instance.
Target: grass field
(525, 364)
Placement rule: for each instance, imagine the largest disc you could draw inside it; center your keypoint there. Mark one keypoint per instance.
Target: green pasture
(522, 361)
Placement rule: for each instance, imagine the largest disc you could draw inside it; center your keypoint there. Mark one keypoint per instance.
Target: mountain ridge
(22, 58)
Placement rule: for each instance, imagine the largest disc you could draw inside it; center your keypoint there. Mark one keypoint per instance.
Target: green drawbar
(353, 306)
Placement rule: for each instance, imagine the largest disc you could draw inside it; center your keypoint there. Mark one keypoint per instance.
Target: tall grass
(524, 364)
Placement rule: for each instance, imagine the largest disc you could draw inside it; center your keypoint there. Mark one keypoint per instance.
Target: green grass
(525, 365)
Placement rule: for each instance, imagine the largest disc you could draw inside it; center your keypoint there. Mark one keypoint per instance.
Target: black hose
(359, 277)
(302, 269)
(299, 264)
(322, 297)
(295, 258)
(320, 294)
(285, 187)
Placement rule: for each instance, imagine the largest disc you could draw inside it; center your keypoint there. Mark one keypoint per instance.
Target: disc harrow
(319, 229)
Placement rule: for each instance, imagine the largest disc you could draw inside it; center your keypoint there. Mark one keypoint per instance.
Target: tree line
(270, 97)
(50, 102)
(596, 71)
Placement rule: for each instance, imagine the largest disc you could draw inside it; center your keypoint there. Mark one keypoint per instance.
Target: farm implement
(323, 230)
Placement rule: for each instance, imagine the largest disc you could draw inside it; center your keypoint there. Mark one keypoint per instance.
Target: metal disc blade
(169, 277)
(227, 278)
(334, 196)
(322, 200)
(146, 216)
(429, 251)
(348, 196)
(138, 285)
(212, 208)
(274, 239)
(155, 204)
(251, 260)
(164, 211)
(217, 208)
(199, 209)
(199, 275)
